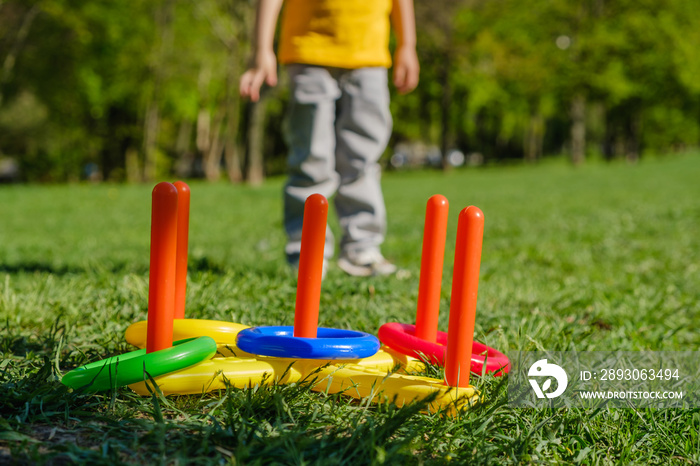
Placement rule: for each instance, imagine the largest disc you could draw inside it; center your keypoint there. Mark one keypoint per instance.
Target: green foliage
(602, 257)
(80, 80)
(512, 62)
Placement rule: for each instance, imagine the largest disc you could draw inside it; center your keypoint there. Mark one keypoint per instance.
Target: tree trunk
(231, 157)
(212, 156)
(203, 130)
(230, 29)
(163, 21)
(133, 166)
(256, 131)
(185, 158)
(534, 138)
(632, 153)
(150, 140)
(620, 144)
(462, 137)
(578, 129)
(424, 118)
(8, 63)
(446, 134)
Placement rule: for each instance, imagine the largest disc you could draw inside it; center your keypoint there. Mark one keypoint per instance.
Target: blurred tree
(16, 43)
(218, 125)
(442, 88)
(143, 89)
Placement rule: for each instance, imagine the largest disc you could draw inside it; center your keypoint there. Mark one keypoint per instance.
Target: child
(338, 120)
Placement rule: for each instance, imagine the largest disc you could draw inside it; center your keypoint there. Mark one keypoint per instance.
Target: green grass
(603, 257)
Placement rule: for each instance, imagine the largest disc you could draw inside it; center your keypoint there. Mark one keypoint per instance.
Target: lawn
(601, 257)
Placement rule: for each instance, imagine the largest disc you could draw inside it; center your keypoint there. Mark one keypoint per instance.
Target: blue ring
(330, 343)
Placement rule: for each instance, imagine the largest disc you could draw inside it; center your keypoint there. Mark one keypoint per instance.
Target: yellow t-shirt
(338, 33)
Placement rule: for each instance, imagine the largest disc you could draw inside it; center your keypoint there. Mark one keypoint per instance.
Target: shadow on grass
(195, 265)
(40, 267)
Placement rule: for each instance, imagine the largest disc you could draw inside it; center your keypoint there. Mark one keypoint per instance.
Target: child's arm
(406, 67)
(264, 63)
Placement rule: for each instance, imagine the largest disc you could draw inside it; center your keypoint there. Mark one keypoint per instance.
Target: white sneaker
(365, 263)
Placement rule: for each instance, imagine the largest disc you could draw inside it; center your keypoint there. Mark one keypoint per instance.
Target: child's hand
(406, 69)
(263, 70)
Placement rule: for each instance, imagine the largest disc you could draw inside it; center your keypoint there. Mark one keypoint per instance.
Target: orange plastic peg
(432, 258)
(313, 239)
(465, 285)
(183, 235)
(161, 281)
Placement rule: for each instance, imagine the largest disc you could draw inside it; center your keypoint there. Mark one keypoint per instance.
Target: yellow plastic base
(359, 378)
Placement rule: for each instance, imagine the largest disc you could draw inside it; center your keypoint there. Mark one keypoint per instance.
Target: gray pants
(338, 125)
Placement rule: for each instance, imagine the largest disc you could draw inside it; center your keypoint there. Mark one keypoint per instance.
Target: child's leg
(311, 140)
(363, 127)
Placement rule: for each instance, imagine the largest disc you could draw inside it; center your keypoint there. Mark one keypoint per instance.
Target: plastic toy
(402, 338)
(223, 333)
(136, 366)
(301, 341)
(183, 238)
(168, 277)
(364, 370)
(357, 378)
(162, 272)
(423, 339)
(235, 366)
(330, 343)
(160, 356)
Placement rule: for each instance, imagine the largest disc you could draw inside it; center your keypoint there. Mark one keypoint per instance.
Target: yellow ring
(222, 332)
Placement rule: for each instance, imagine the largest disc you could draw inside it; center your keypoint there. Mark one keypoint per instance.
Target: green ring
(129, 368)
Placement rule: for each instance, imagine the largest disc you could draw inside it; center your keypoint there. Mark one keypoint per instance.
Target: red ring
(401, 338)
